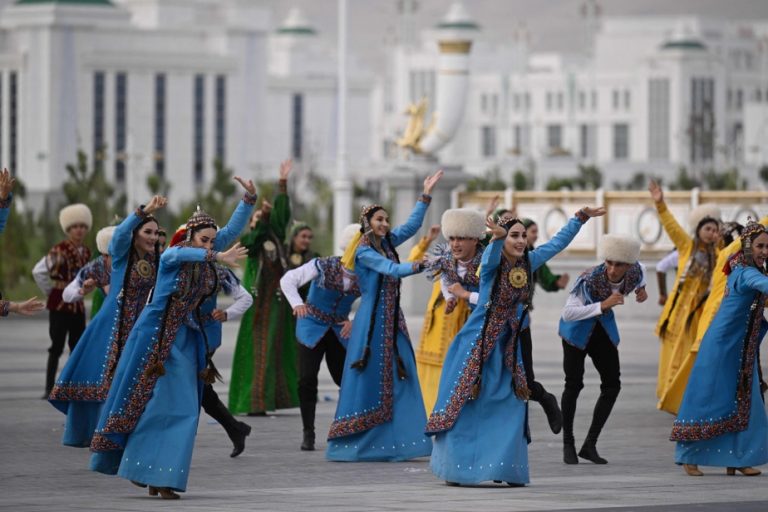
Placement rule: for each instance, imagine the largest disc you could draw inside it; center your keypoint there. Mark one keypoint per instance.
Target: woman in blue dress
(147, 427)
(722, 420)
(380, 415)
(84, 382)
(479, 422)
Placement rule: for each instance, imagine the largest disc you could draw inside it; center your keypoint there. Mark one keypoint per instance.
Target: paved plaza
(38, 474)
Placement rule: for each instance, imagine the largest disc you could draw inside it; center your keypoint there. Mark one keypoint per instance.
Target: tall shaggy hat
(619, 248)
(103, 237)
(347, 234)
(75, 214)
(463, 223)
(701, 213)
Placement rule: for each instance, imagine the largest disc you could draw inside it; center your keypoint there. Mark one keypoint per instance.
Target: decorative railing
(629, 213)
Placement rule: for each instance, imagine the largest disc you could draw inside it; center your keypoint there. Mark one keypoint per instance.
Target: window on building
(198, 108)
(494, 104)
(159, 143)
(758, 95)
(483, 103)
(627, 99)
(587, 141)
(516, 102)
(739, 99)
(620, 141)
(527, 101)
(701, 124)
(554, 136)
(13, 121)
(221, 118)
(560, 101)
(658, 119)
(729, 98)
(582, 100)
(488, 141)
(522, 135)
(594, 100)
(121, 125)
(99, 79)
(615, 99)
(548, 101)
(297, 126)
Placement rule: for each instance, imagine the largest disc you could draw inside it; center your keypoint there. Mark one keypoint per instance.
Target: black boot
(552, 410)
(308, 443)
(236, 430)
(568, 404)
(238, 438)
(50, 374)
(600, 415)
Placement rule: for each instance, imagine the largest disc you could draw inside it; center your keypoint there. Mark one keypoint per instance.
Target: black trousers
(309, 366)
(62, 328)
(605, 357)
(526, 346)
(214, 408)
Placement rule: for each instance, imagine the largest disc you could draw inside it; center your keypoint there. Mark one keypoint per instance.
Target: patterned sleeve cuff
(583, 217)
(661, 207)
(5, 307)
(250, 199)
(282, 186)
(6, 203)
(211, 256)
(417, 267)
(140, 213)
(425, 198)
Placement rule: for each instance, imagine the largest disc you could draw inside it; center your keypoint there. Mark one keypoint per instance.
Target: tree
(491, 180)
(590, 177)
(520, 181)
(683, 180)
(18, 245)
(763, 173)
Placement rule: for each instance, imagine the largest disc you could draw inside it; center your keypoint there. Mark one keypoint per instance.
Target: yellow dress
(680, 317)
(671, 399)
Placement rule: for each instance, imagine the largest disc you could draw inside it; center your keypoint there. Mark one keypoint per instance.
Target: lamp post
(342, 186)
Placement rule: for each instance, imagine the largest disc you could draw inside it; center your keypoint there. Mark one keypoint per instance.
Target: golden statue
(415, 130)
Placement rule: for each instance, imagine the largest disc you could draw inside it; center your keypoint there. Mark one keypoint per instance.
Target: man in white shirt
(588, 328)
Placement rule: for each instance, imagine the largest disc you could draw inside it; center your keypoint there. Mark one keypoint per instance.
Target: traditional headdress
(750, 232)
(199, 219)
(298, 226)
(508, 223)
(701, 214)
(619, 248)
(103, 238)
(463, 223)
(366, 213)
(75, 214)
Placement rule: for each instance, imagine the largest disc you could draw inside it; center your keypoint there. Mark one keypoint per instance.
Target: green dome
(71, 2)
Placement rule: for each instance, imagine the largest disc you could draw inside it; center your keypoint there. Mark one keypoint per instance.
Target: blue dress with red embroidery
(485, 438)
(5, 210)
(84, 382)
(328, 303)
(147, 426)
(722, 419)
(381, 417)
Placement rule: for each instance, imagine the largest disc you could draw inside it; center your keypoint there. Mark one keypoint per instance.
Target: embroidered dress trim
(250, 199)
(6, 203)
(5, 307)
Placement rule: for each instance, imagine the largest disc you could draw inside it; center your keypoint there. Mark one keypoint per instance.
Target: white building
(644, 94)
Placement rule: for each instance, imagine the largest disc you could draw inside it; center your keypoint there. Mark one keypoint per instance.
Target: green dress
(265, 367)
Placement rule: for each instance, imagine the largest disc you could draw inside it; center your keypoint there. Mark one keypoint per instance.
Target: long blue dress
(146, 431)
(722, 419)
(380, 416)
(84, 382)
(485, 438)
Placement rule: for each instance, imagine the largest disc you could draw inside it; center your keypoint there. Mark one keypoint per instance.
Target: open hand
(247, 185)
(433, 233)
(300, 311)
(155, 204)
(590, 211)
(346, 329)
(431, 181)
(497, 232)
(285, 169)
(656, 193)
(28, 307)
(231, 255)
(6, 183)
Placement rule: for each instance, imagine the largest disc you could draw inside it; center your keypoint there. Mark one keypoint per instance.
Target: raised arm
(751, 278)
(6, 186)
(405, 231)
(371, 259)
(563, 238)
(239, 218)
(673, 229)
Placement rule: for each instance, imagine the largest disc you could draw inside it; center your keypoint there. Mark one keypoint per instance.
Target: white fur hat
(463, 223)
(103, 237)
(701, 212)
(75, 214)
(619, 248)
(346, 235)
